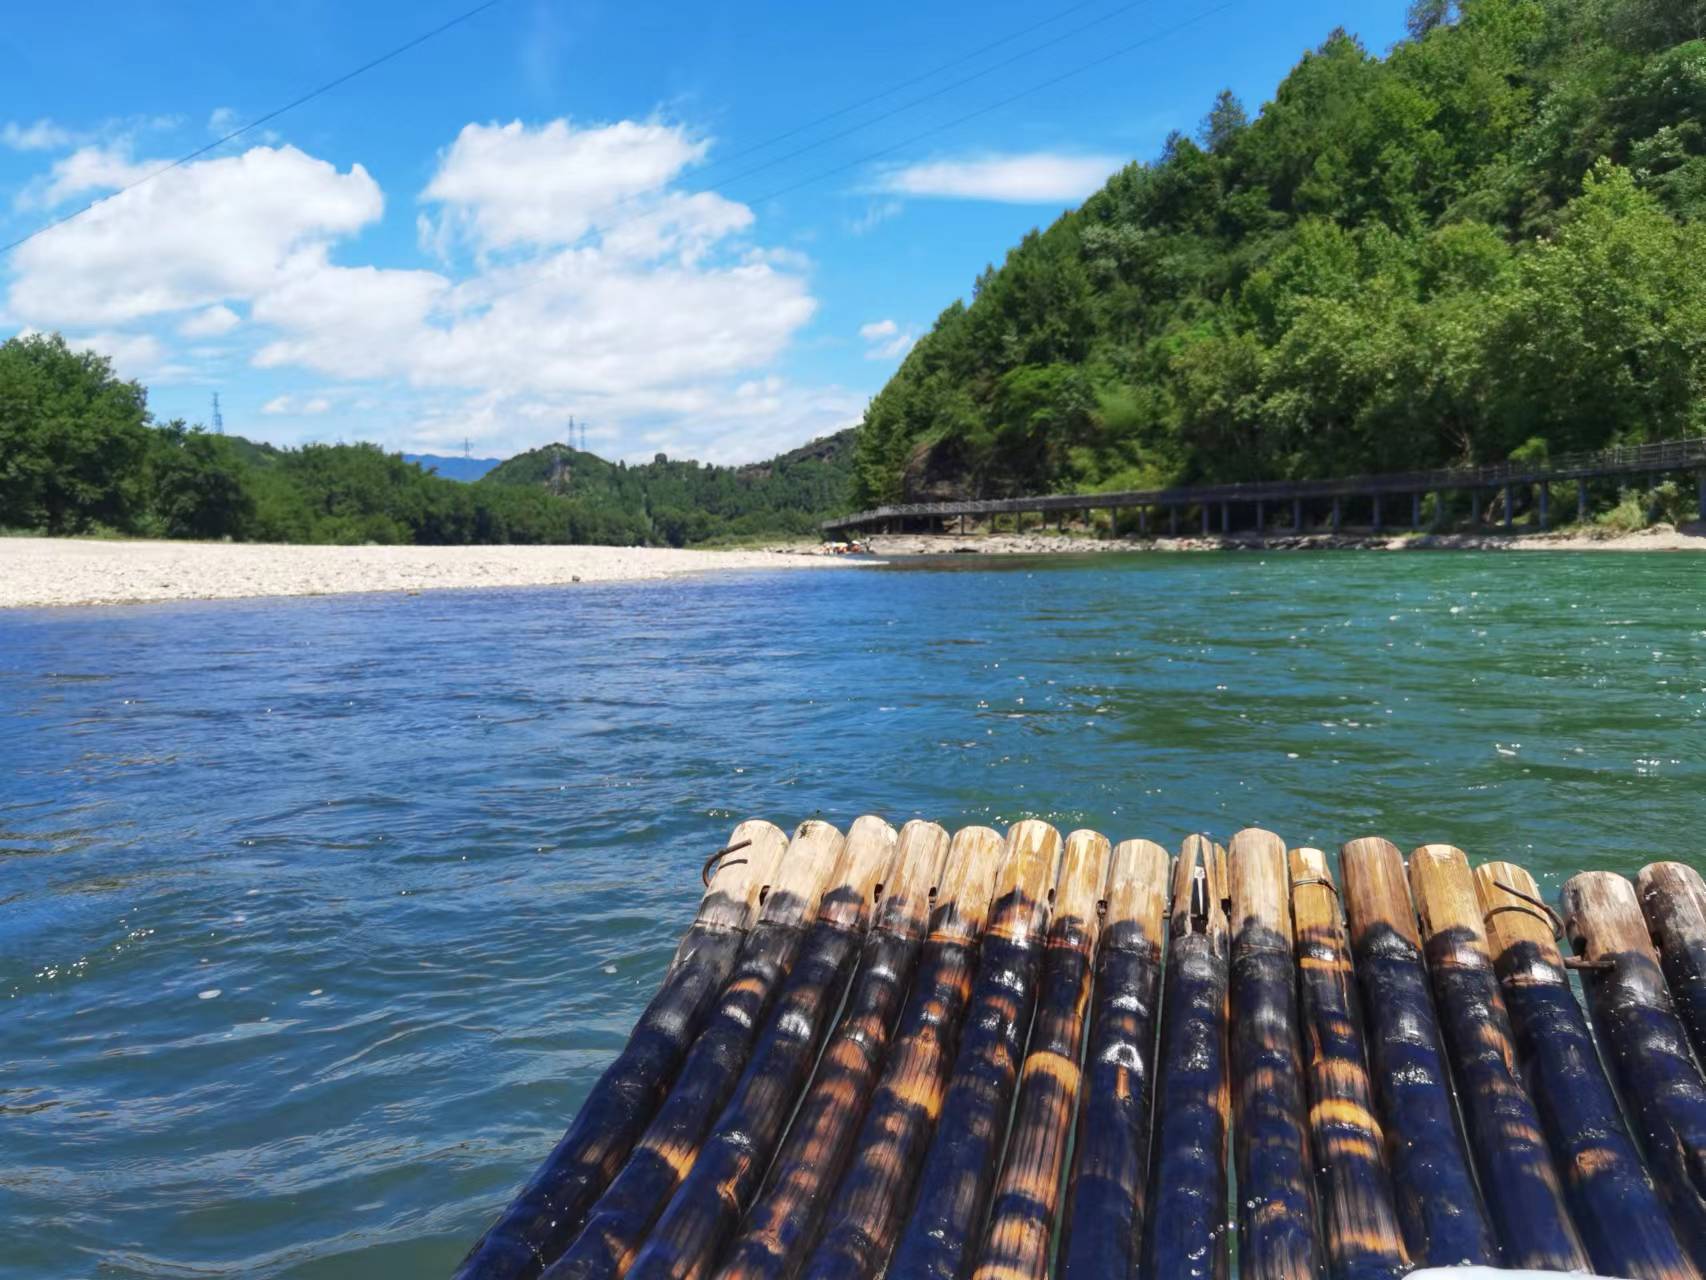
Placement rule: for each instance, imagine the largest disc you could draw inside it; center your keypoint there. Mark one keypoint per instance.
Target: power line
(260, 120)
(633, 197)
(1080, 69)
(906, 84)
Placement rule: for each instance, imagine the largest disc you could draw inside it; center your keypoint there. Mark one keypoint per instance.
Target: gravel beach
(68, 571)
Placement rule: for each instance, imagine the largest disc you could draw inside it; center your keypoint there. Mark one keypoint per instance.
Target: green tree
(200, 488)
(72, 438)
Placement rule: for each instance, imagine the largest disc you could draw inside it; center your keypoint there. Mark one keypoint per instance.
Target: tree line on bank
(80, 453)
(1485, 244)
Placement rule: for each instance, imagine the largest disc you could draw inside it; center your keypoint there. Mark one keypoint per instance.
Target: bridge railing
(1663, 455)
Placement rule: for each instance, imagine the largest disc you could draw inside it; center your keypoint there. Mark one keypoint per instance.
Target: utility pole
(218, 417)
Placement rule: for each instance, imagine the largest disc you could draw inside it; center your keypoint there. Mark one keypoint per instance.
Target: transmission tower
(218, 417)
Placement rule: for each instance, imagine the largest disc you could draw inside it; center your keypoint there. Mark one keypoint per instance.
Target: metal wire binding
(1551, 917)
(713, 864)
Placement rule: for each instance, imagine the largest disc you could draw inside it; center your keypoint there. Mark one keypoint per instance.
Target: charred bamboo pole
(1364, 1240)
(1645, 1045)
(1673, 896)
(1027, 1195)
(550, 1209)
(946, 1224)
(705, 1213)
(619, 1221)
(781, 1224)
(1522, 1188)
(1103, 1229)
(1276, 1190)
(1445, 1221)
(872, 1199)
(1186, 1236)
(1611, 1198)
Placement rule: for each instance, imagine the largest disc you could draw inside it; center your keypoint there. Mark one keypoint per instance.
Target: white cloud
(222, 121)
(655, 318)
(885, 340)
(879, 212)
(42, 135)
(134, 355)
(1038, 177)
(504, 186)
(210, 323)
(200, 235)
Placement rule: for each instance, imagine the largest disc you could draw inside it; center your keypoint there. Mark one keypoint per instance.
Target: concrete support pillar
(1582, 500)
(1701, 508)
(1261, 516)
(1545, 505)
(1439, 509)
(1377, 513)
(1205, 519)
(1226, 517)
(1508, 513)
(1173, 521)
(1475, 506)
(1338, 514)
(1297, 515)
(1143, 521)
(1415, 511)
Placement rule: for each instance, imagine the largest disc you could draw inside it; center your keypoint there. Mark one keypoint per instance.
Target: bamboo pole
(1103, 1229)
(706, 1211)
(1186, 1236)
(1445, 1221)
(1364, 1240)
(1611, 1198)
(1673, 896)
(947, 1218)
(783, 1221)
(1276, 1189)
(619, 1221)
(1027, 1196)
(1645, 1045)
(1522, 1188)
(550, 1209)
(872, 1199)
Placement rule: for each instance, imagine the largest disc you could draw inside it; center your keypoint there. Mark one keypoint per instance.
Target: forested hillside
(680, 503)
(79, 453)
(1487, 241)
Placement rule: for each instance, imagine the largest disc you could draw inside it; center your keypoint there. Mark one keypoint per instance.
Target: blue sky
(552, 209)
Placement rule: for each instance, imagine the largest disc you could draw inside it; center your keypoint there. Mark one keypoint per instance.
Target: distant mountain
(687, 502)
(458, 468)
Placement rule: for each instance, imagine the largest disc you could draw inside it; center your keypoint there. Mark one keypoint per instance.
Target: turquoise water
(318, 916)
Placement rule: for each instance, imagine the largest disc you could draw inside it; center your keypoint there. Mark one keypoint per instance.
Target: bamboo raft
(1011, 1057)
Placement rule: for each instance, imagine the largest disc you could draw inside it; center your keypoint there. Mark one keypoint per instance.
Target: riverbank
(1662, 537)
(37, 572)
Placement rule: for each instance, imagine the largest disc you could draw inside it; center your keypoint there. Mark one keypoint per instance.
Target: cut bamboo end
(1602, 917)
(740, 877)
(1507, 895)
(1260, 886)
(804, 874)
(1137, 888)
(1314, 899)
(967, 884)
(1031, 861)
(920, 851)
(1083, 875)
(1673, 897)
(1450, 912)
(1377, 892)
(866, 856)
(1199, 887)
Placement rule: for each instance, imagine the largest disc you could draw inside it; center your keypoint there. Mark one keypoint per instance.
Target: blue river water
(317, 917)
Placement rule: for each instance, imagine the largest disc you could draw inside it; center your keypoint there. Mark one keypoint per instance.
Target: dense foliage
(1489, 240)
(679, 503)
(79, 454)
